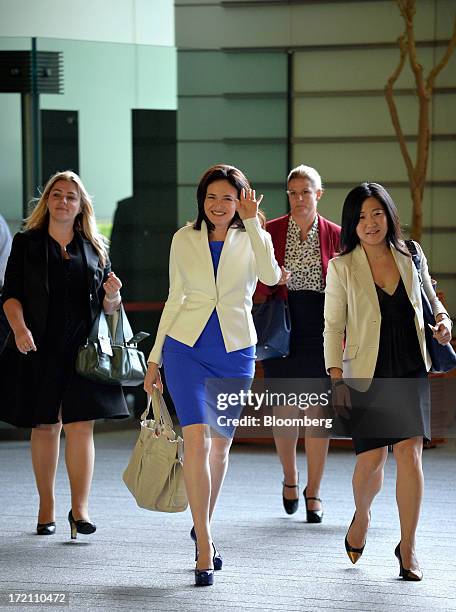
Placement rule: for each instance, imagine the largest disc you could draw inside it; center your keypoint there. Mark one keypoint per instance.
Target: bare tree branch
(393, 108)
(423, 140)
(408, 11)
(443, 62)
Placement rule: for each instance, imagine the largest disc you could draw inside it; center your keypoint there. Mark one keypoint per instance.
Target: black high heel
(45, 528)
(354, 554)
(85, 527)
(407, 574)
(290, 505)
(216, 559)
(313, 516)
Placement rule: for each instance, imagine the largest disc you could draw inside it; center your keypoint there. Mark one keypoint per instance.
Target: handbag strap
(159, 409)
(123, 332)
(411, 246)
(100, 328)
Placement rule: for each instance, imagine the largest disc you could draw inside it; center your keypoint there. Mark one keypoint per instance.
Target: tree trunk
(417, 213)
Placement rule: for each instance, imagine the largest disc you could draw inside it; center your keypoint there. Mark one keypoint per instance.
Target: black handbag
(442, 356)
(113, 359)
(273, 327)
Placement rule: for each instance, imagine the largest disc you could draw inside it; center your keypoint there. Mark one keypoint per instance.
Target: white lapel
(363, 275)
(405, 266)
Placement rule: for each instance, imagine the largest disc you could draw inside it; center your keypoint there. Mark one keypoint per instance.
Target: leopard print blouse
(303, 258)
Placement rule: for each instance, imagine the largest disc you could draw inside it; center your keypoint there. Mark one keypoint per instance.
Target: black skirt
(392, 410)
(306, 358)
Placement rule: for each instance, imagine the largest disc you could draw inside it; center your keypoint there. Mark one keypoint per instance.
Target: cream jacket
(194, 292)
(352, 308)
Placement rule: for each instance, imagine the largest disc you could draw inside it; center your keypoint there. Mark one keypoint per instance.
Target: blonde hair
(85, 220)
(306, 172)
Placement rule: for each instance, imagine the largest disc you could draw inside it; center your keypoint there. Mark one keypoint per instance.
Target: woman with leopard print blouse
(304, 242)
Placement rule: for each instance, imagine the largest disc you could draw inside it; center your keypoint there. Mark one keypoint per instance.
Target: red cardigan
(329, 234)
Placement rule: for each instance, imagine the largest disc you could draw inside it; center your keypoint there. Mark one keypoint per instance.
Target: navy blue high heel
(217, 558)
(204, 577)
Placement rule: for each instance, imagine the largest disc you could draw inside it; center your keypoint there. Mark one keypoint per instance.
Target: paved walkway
(140, 560)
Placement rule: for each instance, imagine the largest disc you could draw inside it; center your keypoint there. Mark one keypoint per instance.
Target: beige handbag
(154, 474)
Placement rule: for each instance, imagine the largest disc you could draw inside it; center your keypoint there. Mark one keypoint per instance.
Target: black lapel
(38, 255)
(91, 257)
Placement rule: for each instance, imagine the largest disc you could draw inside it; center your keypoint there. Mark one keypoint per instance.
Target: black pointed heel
(216, 559)
(407, 574)
(84, 527)
(290, 505)
(313, 516)
(45, 528)
(354, 554)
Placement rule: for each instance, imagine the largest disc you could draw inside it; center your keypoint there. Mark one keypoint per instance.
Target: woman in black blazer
(57, 279)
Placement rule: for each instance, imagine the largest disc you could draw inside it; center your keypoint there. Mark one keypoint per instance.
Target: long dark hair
(220, 172)
(352, 209)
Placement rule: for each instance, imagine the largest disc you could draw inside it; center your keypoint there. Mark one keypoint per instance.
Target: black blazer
(26, 279)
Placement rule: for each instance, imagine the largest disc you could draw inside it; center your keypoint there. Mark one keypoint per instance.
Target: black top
(27, 278)
(399, 353)
(68, 315)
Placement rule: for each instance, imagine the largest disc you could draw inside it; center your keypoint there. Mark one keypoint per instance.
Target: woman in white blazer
(206, 332)
(374, 329)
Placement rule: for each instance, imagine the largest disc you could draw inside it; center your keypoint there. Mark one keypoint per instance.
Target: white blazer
(352, 308)
(194, 292)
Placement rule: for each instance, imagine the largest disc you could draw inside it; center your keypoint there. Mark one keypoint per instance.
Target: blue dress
(189, 369)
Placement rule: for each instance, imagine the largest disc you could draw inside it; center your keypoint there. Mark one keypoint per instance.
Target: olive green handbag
(112, 358)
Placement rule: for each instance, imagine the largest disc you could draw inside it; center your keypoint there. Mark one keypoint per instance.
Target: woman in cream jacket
(374, 329)
(206, 332)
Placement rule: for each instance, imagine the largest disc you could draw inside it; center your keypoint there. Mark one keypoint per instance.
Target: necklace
(64, 252)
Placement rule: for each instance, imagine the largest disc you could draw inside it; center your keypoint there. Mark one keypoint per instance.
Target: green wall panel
(260, 162)
(313, 23)
(367, 116)
(218, 118)
(215, 72)
(365, 161)
(362, 69)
